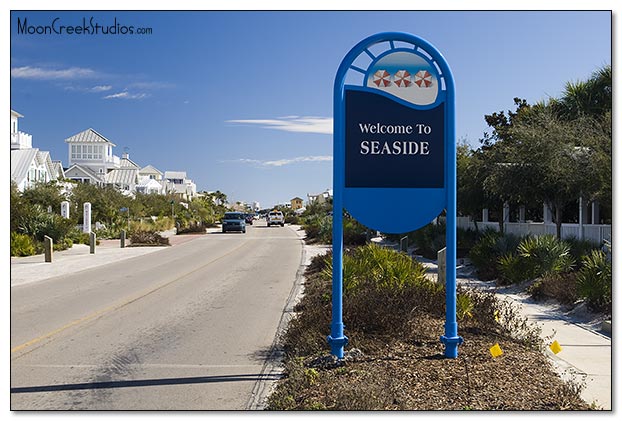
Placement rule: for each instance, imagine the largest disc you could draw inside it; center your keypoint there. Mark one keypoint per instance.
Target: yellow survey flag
(495, 351)
(555, 347)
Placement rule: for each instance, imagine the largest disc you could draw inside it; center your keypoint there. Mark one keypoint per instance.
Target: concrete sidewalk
(25, 270)
(585, 357)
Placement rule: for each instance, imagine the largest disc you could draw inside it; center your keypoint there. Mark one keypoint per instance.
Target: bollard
(48, 245)
(123, 234)
(404, 244)
(93, 240)
(441, 264)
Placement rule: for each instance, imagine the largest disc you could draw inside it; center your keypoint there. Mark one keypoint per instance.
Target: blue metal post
(336, 339)
(451, 340)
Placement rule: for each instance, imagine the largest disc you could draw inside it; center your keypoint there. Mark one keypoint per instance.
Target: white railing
(21, 140)
(595, 233)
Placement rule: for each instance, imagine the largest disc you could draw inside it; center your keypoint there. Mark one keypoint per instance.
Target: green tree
(45, 195)
(591, 98)
(106, 203)
(553, 155)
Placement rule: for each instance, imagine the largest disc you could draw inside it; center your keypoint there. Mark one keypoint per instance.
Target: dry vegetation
(395, 360)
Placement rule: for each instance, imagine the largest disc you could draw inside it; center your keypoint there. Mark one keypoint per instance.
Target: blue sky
(242, 101)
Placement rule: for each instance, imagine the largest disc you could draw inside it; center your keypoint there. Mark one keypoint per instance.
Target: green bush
(594, 281)
(544, 255)
(38, 223)
(376, 279)
(319, 229)
(512, 269)
(64, 244)
(486, 252)
(22, 245)
(429, 239)
(382, 267)
(79, 237)
(580, 248)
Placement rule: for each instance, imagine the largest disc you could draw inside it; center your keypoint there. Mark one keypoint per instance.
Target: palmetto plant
(594, 281)
(545, 255)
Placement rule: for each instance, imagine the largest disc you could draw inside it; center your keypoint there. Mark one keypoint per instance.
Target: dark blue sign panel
(390, 144)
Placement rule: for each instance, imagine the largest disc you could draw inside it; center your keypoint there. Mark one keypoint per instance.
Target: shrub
(377, 279)
(141, 237)
(544, 255)
(79, 237)
(558, 286)
(512, 269)
(464, 306)
(486, 252)
(594, 281)
(22, 245)
(580, 248)
(38, 223)
(429, 239)
(354, 233)
(192, 227)
(64, 244)
(319, 229)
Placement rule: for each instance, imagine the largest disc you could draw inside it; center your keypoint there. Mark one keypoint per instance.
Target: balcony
(114, 160)
(21, 140)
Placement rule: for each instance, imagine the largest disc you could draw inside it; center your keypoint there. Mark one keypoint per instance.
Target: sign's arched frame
(371, 199)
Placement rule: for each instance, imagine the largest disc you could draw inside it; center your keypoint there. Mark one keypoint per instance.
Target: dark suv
(234, 221)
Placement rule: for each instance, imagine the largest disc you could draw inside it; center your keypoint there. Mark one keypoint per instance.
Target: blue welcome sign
(394, 153)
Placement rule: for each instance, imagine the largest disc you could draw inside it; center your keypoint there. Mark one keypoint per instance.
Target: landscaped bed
(394, 317)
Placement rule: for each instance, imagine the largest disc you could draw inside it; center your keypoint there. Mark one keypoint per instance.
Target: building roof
(150, 169)
(44, 157)
(123, 176)
(296, 198)
(175, 174)
(88, 136)
(16, 114)
(21, 159)
(59, 172)
(127, 163)
(86, 171)
(149, 182)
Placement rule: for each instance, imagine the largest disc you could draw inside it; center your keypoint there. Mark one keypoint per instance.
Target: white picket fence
(594, 233)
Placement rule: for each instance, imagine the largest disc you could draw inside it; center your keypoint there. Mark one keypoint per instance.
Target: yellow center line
(117, 306)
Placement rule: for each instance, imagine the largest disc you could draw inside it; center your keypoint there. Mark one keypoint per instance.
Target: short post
(48, 245)
(87, 217)
(92, 241)
(123, 234)
(64, 209)
(441, 264)
(404, 244)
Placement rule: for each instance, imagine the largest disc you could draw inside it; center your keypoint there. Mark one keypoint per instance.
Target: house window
(87, 152)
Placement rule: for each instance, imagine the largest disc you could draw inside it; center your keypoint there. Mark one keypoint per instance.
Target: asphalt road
(185, 328)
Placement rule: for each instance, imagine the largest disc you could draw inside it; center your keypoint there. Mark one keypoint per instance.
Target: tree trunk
(558, 221)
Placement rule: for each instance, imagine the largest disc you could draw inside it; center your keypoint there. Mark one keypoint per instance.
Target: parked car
(276, 218)
(234, 221)
(249, 218)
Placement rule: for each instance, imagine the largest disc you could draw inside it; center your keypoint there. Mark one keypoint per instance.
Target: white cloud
(40, 73)
(283, 162)
(126, 95)
(101, 88)
(320, 125)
